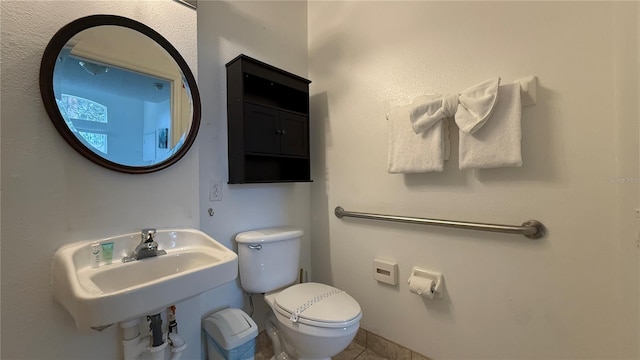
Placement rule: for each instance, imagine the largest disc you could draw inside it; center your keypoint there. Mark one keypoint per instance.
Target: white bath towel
(415, 153)
(497, 143)
(471, 107)
(475, 105)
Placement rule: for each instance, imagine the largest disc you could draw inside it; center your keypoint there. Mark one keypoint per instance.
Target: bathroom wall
(276, 33)
(52, 196)
(572, 294)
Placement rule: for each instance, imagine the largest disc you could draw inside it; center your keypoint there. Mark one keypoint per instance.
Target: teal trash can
(231, 335)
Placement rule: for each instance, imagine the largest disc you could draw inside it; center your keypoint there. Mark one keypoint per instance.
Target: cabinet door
(294, 134)
(261, 130)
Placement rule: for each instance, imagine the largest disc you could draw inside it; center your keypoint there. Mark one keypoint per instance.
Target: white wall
(52, 196)
(273, 32)
(573, 294)
(506, 297)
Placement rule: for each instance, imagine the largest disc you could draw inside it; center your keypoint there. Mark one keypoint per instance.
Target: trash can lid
(230, 327)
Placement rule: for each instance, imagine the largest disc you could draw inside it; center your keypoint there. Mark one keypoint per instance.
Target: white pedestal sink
(96, 297)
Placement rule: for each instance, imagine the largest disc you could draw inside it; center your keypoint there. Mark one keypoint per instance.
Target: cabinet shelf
(265, 92)
(268, 123)
(248, 153)
(275, 107)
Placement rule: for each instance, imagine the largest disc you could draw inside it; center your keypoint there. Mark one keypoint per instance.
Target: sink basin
(97, 297)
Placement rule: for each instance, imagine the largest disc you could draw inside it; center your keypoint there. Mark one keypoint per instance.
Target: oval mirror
(120, 94)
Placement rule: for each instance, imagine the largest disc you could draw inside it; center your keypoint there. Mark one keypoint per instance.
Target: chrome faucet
(148, 247)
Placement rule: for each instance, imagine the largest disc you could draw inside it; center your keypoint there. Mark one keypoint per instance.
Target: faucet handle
(148, 235)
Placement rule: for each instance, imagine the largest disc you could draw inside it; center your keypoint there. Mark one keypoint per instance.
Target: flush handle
(255, 247)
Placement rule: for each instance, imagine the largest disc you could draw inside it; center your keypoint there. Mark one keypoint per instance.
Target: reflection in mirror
(118, 96)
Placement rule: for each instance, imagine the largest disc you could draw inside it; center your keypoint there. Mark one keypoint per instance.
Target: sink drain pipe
(156, 330)
(134, 344)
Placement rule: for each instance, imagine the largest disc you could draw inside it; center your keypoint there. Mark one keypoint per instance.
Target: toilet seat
(318, 305)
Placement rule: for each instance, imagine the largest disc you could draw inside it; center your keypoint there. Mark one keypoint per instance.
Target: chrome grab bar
(532, 229)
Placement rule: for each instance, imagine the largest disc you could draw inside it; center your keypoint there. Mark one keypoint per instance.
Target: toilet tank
(268, 259)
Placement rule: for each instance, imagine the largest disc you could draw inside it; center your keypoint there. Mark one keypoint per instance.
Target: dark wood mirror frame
(47, 66)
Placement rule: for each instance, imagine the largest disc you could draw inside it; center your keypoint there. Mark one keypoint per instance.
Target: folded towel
(476, 104)
(471, 107)
(419, 133)
(498, 142)
(415, 153)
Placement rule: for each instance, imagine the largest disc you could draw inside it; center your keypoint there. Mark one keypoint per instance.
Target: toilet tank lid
(268, 235)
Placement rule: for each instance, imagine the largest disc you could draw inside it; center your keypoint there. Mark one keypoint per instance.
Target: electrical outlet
(215, 190)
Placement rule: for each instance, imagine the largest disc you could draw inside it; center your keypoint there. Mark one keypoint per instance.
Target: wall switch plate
(215, 190)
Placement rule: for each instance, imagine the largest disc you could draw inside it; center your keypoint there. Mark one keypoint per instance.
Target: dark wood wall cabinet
(267, 122)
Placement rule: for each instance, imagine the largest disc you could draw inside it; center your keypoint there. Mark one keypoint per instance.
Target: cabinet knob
(278, 131)
(283, 132)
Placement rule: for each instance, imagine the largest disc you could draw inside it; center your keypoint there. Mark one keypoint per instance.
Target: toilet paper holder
(435, 276)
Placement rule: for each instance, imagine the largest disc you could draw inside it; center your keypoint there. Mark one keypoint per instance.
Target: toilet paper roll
(422, 286)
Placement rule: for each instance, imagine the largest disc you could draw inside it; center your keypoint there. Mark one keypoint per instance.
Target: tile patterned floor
(357, 352)
(352, 352)
(365, 346)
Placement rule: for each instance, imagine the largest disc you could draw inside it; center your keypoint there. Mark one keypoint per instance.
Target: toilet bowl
(313, 320)
(323, 329)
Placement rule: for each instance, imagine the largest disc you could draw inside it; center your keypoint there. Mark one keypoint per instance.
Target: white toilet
(313, 321)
